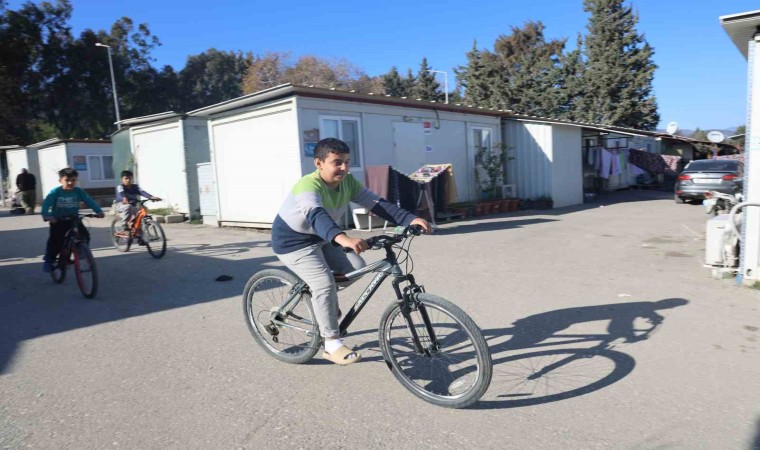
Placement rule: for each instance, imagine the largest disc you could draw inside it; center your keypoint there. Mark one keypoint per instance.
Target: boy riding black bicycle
(307, 240)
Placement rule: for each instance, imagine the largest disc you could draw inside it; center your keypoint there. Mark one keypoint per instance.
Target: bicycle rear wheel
(121, 238)
(86, 272)
(295, 342)
(154, 238)
(453, 367)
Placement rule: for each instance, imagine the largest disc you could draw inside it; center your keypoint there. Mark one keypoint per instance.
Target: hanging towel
(615, 167)
(606, 165)
(376, 180)
(598, 158)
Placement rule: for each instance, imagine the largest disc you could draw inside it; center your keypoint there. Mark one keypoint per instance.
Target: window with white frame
(100, 167)
(481, 138)
(348, 130)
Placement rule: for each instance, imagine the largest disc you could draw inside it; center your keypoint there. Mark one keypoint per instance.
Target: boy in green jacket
(60, 206)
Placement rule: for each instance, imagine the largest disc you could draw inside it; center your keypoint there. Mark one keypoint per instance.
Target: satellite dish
(716, 137)
(672, 128)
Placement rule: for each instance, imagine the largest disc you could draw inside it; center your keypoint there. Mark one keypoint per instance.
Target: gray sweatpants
(127, 212)
(315, 265)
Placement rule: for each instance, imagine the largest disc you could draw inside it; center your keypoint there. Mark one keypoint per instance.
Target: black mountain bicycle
(432, 347)
(76, 251)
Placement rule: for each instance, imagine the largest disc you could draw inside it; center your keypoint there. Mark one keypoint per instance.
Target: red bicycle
(76, 251)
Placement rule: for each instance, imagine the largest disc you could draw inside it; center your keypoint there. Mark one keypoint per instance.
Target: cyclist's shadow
(539, 364)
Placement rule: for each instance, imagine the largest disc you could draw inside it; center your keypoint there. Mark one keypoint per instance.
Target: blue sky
(701, 80)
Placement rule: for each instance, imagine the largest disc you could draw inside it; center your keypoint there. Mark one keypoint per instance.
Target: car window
(713, 165)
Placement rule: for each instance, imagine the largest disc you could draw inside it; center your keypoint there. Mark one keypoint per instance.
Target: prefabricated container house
(91, 158)
(163, 150)
(23, 158)
(550, 157)
(262, 143)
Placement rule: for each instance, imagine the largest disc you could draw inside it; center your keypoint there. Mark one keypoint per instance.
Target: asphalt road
(162, 357)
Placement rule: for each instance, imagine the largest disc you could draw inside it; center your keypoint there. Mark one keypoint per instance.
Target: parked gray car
(702, 175)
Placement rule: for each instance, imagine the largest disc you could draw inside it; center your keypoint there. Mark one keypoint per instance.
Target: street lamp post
(113, 85)
(445, 83)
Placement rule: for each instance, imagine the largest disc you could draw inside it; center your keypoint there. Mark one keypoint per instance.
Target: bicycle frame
(71, 237)
(142, 213)
(384, 268)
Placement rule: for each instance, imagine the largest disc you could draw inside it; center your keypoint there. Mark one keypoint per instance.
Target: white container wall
(567, 167)
(531, 147)
(547, 161)
(93, 161)
(52, 159)
(257, 161)
(160, 164)
(403, 137)
(165, 155)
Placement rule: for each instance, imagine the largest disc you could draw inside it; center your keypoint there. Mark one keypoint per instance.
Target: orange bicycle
(144, 229)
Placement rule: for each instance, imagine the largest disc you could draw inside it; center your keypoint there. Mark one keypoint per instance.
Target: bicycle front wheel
(291, 336)
(87, 273)
(451, 367)
(58, 274)
(154, 238)
(121, 238)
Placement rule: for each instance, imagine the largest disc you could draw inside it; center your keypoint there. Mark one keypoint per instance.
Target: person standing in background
(27, 186)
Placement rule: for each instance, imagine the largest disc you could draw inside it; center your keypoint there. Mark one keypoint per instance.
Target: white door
(409, 145)
(160, 166)
(207, 190)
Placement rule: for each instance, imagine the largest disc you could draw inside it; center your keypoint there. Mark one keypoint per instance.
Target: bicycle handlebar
(383, 240)
(78, 216)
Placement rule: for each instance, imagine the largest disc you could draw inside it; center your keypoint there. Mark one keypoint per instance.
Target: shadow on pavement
(491, 225)
(535, 364)
(131, 284)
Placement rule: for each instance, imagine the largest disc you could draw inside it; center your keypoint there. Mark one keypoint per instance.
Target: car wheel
(679, 200)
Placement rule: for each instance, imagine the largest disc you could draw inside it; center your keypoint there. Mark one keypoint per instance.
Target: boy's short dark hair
(330, 145)
(127, 173)
(68, 172)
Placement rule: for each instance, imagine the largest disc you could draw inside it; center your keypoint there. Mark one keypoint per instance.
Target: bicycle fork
(410, 303)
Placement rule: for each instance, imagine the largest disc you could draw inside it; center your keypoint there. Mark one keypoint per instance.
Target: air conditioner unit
(721, 246)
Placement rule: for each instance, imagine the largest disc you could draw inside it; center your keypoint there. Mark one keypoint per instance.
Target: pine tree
(408, 83)
(529, 71)
(474, 78)
(393, 84)
(426, 87)
(523, 73)
(571, 84)
(619, 69)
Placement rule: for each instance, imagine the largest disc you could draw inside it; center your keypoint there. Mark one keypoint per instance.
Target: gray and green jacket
(310, 211)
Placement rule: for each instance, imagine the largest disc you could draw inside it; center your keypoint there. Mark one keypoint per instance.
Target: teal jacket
(59, 203)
